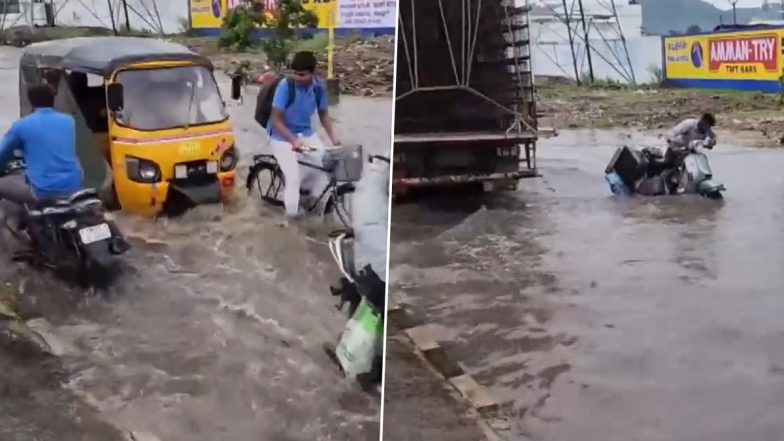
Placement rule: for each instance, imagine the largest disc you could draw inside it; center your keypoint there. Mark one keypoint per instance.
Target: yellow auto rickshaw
(153, 134)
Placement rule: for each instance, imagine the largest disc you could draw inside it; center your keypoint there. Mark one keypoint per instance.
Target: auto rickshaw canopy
(105, 55)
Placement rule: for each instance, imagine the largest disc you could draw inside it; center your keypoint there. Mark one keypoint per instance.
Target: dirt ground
(364, 66)
(746, 114)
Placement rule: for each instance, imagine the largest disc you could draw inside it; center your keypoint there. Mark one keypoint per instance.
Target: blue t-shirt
(48, 140)
(298, 116)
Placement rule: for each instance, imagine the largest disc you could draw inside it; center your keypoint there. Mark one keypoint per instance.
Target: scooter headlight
(141, 170)
(229, 160)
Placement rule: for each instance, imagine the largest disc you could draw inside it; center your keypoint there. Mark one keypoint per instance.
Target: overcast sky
(725, 4)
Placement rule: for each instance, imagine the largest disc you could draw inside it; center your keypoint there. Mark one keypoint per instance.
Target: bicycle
(343, 165)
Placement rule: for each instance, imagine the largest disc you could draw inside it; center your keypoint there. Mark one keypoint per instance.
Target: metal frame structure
(483, 57)
(578, 25)
(120, 11)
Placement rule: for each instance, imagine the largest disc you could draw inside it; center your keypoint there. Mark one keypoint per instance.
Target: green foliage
(239, 25)
(277, 51)
(694, 29)
(241, 22)
(291, 17)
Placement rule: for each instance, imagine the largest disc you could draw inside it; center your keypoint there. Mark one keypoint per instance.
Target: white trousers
(299, 176)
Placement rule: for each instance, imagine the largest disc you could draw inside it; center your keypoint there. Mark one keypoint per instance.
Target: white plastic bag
(361, 341)
(370, 214)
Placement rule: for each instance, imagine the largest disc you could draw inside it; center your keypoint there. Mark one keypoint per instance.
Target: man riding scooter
(684, 137)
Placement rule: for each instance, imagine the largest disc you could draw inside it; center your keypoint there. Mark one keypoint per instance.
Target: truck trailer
(465, 103)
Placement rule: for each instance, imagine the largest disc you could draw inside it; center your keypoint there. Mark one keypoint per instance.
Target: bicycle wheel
(268, 181)
(339, 204)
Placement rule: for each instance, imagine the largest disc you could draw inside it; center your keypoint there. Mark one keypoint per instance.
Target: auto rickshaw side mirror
(236, 87)
(115, 98)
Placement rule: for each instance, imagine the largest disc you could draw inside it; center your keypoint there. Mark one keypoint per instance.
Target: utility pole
(568, 22)
(587, 41)
(111, 15)
(734, 13)
(190, 16)
(128, 20)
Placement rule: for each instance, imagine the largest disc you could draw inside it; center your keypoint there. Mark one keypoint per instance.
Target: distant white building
(552, 54)
(152, 15)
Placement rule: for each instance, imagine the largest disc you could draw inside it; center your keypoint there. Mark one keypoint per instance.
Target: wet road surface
(216, 333)
(594, 318)
(424, 407)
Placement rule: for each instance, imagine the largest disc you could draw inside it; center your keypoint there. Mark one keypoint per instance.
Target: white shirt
(686, 132)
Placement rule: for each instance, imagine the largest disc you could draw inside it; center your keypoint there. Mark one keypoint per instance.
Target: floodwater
(217, 330)
(594, 318)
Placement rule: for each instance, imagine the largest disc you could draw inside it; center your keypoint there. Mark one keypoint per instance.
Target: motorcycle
(357, 253)
(647, 172)
(70, 236)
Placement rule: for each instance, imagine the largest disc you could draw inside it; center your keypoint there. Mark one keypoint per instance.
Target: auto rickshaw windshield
(156, 99)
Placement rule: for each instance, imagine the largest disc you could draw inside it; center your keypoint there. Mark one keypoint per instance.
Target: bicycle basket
(345, 162)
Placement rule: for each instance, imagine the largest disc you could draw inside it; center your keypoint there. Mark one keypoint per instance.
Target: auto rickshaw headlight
(228, 160)
(141, 170)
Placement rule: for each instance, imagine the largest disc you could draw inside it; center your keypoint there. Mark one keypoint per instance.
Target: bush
(239, 25)
(242, 21)
(657, 74)
(291, 17)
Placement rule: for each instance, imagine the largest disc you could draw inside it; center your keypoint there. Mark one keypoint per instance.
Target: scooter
(70, 236)
(643, 172)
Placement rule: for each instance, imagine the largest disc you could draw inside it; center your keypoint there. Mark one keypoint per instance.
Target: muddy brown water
(215, 332)
(594, 318)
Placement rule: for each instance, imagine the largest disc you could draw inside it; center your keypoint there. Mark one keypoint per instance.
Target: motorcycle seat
(81, 195)
(78, 202)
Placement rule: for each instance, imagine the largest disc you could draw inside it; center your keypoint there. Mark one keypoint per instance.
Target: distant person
(292, 133)
(51, 78)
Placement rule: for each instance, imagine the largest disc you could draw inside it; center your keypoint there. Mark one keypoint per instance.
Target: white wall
(96, 13)
(172, 13)
(556, 60)
(551, 51)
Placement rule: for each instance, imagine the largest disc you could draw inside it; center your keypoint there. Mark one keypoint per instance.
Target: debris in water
(8, 301)
(500, 424)
(142, 436)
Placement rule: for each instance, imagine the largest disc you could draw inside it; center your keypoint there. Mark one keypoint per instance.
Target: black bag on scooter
(629, 164)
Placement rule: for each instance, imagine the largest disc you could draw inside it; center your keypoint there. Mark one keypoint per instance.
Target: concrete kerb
(433, 355)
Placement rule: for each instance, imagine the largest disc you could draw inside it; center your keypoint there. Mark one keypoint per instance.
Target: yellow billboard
(750, 60)
(208, 14)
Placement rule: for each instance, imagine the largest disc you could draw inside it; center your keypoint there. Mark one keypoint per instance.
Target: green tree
(241, 22)
(239, 25)
(694, 29)
(291, 17)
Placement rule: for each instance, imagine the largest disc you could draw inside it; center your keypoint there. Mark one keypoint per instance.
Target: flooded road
(594, 318)
(217, 331)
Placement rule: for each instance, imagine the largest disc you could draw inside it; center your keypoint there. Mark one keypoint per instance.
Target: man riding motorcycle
(47, 140)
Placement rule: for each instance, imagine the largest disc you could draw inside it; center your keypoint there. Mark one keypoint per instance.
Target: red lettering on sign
(749, 50)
